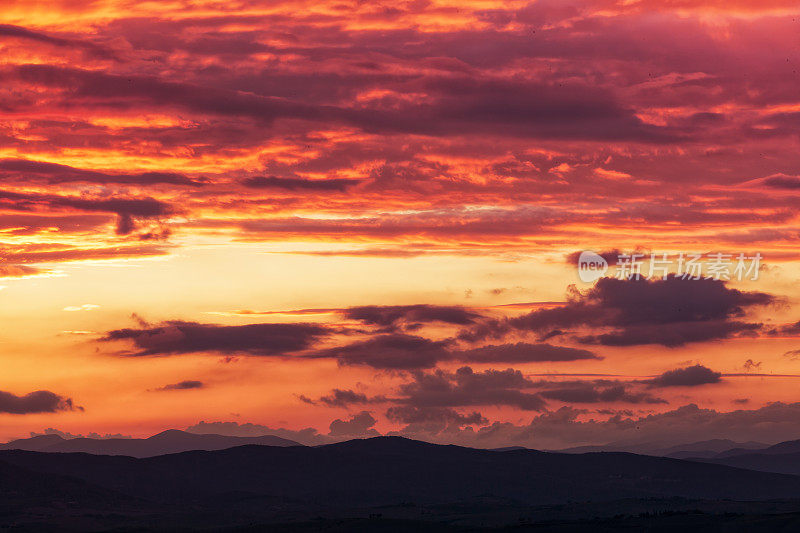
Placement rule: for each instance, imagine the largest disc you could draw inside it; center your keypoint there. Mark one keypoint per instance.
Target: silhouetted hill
(39, 501)
(34, 444)
(387, 470)
(16, 481)
(706, 448)
(414, 485)
(785, 463)
(170, 441)
(789, 446)
(783, 458)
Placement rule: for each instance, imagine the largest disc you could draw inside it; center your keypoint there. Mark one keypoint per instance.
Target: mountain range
(783, 458)
(170, 441)
(264, 484)
(705, 448)
(180, 480)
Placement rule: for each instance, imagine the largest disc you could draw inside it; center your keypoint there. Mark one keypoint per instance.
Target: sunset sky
(330, 220)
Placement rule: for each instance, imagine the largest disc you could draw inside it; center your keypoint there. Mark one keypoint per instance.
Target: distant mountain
(789, 446)
(691, 454)
(783, 463)
(706, 448)
(170, 441)
(34, 444)
(392, 470)
(783, 458)
(508, 448)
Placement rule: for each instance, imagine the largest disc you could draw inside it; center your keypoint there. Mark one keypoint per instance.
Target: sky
(332, 220)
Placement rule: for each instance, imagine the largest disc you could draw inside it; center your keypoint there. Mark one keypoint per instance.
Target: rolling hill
(170, 441)
(388, 470)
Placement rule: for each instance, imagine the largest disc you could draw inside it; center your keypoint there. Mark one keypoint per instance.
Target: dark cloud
(381, 350)
(611, 256)
(343, 398)
(9, 30)
(299, 184)
(646, 302)
(522, 352)
(465, 387)
(568, 426)
(674, 335)
(40, 401)
(521, 108)
(101, 89)
(691, 376)
(596, 391)
(671, 312)
(794, 355)
(178, 337)
(95, 50)
(90, 435)
(396, 351)
(463, 105)
(429, 401)
(551, 334)
(433, 419)
(183, 385)
(358, 425)
(789, 330)
(449, 224)
(401, 351)
(509, 222)
(409, 315)
(128, 210)
(26, 170)
(564, 427)
(783, 182)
